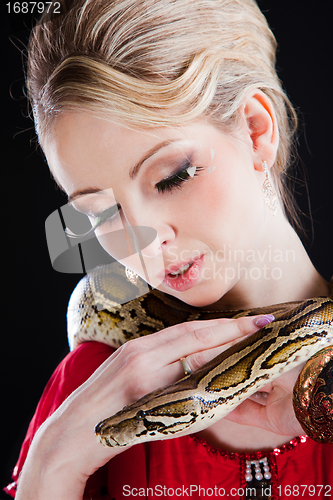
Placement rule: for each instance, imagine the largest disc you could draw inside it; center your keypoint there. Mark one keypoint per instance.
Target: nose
(153, 235)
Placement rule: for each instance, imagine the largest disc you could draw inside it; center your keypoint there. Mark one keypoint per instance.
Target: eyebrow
(133, 172)
(81, 192)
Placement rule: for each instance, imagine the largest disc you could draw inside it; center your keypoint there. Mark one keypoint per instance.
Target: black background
(33, 326)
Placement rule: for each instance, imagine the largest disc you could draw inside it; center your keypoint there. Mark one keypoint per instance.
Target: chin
(197, 296)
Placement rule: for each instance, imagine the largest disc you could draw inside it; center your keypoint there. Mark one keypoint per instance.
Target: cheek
(223, 208)
(217, 199)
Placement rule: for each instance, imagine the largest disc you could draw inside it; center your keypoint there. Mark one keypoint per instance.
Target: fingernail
(264, 320)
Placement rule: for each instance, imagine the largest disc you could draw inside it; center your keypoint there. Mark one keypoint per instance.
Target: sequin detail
(257, 455)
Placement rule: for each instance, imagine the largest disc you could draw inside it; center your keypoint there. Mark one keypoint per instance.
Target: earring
(268, 192)
(131, 276)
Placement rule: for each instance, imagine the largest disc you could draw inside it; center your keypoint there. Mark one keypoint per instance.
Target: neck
(298, 279)
(286, 272)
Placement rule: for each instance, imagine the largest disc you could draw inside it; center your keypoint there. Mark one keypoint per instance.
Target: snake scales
(300, 330)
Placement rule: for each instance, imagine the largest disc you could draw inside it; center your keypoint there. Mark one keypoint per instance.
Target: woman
(183, 131)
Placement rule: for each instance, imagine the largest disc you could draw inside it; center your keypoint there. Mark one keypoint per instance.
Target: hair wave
(159, 63)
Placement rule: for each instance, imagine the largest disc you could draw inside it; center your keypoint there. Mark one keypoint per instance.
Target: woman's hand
(272, 408)
(65, 451)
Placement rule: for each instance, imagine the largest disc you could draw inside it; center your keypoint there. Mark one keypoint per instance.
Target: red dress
(183, 467)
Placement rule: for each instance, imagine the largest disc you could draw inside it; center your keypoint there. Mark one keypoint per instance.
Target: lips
(182, 270)
(178, 268)
(183, 275)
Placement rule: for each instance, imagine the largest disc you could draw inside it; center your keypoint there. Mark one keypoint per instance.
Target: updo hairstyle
(155, 63)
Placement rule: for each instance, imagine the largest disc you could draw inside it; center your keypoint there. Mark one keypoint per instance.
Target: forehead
(79, 142)
(84, 147)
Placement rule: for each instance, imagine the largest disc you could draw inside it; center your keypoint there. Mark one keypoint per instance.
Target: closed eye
(107, 215)
(177, 179)
(110, 215)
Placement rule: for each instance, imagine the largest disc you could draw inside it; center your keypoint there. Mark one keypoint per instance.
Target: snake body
(299, 331)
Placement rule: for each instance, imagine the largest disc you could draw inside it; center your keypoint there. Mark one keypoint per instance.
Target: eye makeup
(110, 215)
(186, 173)
(99, 207)
(176, 180)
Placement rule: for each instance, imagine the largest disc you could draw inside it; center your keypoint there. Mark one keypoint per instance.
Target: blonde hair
(158, 63)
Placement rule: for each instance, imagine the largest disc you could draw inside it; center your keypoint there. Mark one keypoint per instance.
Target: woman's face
(204, 217)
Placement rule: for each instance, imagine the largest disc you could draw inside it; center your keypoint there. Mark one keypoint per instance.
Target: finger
(200, 358)
(200, 339)
(161, 366)
(288, 379)
(277, 416)
(158, 339)
(173, 332)
(176, 331)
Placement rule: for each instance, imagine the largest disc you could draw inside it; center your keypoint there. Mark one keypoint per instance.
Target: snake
(97, 311)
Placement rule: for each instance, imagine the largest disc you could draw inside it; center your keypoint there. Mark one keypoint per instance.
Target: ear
(261, 127)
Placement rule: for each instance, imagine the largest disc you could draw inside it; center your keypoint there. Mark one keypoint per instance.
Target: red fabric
(183, 467)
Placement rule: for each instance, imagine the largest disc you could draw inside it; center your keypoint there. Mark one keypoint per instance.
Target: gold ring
(186, 366)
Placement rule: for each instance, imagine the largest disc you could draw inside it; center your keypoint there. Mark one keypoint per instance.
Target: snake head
(121, 432)
(132, 425)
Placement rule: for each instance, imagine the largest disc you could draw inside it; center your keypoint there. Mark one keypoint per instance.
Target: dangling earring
(131, 276)
(268, 192)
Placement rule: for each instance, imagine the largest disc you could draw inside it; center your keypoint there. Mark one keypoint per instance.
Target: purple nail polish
(264, 320)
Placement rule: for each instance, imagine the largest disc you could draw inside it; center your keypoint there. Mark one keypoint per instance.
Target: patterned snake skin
(301, 329)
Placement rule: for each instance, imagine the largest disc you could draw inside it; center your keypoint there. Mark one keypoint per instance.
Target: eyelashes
(108, 215)
(186, 173)
(175, 181)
